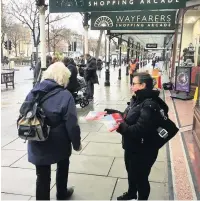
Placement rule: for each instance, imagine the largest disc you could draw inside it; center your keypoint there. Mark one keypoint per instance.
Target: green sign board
(137, 20)
(58, 6)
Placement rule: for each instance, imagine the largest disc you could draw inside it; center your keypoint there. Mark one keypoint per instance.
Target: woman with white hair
(60, 110)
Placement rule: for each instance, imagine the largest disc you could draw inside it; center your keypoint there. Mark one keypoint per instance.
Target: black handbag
(166, 129)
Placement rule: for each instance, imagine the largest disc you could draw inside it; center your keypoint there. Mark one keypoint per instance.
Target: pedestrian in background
(114, 62)
(73, 82)
(37, 74)
(132, 70)
(99, 67)
(91, 77)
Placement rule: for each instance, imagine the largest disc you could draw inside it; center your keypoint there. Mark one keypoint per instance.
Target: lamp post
(128, 51)
(107, 73)
(42, 7)
(120, 57)
(86, 26)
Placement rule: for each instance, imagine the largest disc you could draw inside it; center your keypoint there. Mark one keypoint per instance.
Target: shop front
(196, 122)
(190, 56)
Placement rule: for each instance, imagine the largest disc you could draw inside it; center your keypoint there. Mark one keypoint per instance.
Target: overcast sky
(73, 22)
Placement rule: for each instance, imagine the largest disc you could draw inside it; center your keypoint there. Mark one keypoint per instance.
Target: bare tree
(55, 36)
(16, 34)
(27, 13)
(59, 37)
(92, 45)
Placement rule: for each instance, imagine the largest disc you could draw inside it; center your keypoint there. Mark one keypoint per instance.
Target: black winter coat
(99, 64)
(60, 110)
(73, 82)
(90, 71)
(140, 118)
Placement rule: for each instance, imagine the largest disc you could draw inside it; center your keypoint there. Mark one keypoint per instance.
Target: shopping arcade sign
(138, 20)
(59, 6)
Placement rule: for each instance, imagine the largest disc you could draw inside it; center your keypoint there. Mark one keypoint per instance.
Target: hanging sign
(58, 6)
(151, 45)
(183, 79)
(138, 20)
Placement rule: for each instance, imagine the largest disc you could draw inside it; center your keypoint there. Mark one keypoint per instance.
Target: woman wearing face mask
(137, 130)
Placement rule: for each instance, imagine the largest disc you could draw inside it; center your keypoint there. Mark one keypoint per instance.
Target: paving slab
(90, 126)
(17, 144)
(104, 137)
(158, 171)
(8, 157)
(10, 129)
(159, 191)
(84, 135)
(20, 181)
(5, 196)
(6, 139)
(162, 155)
(103, 149)
(89, 187)
(23, 163)
(96, 165)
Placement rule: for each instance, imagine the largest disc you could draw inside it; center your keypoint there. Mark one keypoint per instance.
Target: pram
(80, 96)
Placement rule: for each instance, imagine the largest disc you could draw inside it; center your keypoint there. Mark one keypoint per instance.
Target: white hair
(57, 72)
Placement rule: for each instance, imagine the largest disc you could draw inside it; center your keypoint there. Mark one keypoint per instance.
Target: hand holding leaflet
(112, 121)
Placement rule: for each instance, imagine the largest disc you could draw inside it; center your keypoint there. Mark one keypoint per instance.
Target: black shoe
(70, 191)
(127, 196)
(68, 194)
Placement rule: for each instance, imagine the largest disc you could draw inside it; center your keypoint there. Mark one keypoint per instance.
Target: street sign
(137, 20)
(151, 45)
(59, 6)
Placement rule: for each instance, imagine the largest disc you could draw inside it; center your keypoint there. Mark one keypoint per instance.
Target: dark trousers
(138, 166)
(131, 79)
(90, 89)
(43, 181)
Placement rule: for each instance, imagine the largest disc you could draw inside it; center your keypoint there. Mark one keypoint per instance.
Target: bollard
(120, 71)
(107, 76)
(127, 71)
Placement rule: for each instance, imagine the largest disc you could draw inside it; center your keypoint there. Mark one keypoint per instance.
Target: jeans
(138, 166)
(90, 89)
(43, 181)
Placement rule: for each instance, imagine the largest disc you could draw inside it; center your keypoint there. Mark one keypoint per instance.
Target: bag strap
(49, 94)
(162, 112)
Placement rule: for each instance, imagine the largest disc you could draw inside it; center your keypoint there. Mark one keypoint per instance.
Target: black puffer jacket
(90, 71)
(141, 120)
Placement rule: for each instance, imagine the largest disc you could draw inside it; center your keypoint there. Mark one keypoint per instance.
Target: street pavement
(97, 172)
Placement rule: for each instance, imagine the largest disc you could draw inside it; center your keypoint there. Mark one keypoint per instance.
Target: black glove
(111, 111)
(122, 128)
